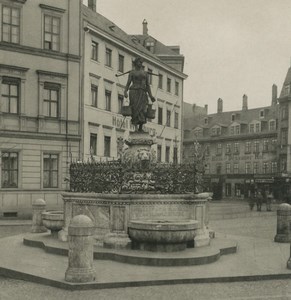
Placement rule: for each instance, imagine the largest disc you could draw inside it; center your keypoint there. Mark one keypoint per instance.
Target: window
(160, 81)
(108, 57)
(237, 189)
(258, 127)
(262, 113)
(50, 170)
(10, 24)
(51, 33)
(232, 117)
(175, 155)
(256, 167)
(274, 167)
(235, 168)
(198, 132)
(169, 85)
(286, 90)
(94, 95)
(159, 153)
(107, 144)
(284, 136)
(272, 125)
(176, 121)
(284, 112)
(150, 76)
(107, 100)
(228, 189)
(219, 149)
(207, 150)
(274, 145)
(265, 168)
(232, 130)
(9, 169)
(218, 168)
(94, 51)
(283, 164)
(237, 129)
(265, 145)
(51, 100)
(120, 63)
(227, 168)
(168, 118)
(205, 120)
(248, 147)
(248, 167)
(160, 115)
(10, 95)
(228, 148)
(256, 146)
(167, 154)
(252, 128)
(177, 88)
(120, 103)
(206, 169)
(93, 143)
(236, 148)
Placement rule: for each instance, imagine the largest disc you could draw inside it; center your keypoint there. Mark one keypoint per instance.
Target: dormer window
(262, 113)
(205, 120)
(286, 90)
(232, 117)
(237, 129)
(150, 45)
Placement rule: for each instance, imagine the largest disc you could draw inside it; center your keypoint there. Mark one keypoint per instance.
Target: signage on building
(124, 123)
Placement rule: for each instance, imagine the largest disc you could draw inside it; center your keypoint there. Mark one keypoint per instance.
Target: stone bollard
(80, 240)
(283, 223)
(38, 207)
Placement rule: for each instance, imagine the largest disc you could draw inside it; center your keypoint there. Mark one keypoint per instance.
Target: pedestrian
(259, 200)
(270, 197)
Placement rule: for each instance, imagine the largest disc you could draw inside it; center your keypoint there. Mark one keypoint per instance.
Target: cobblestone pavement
(275, 289)
(11, 289)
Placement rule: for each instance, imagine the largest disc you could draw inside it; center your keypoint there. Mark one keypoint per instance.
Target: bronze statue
(139, 90)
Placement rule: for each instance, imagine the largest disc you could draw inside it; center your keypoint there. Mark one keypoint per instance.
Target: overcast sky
(231, 47)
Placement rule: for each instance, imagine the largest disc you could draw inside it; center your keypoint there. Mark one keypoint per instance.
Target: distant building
(107, 53)
(240, 147)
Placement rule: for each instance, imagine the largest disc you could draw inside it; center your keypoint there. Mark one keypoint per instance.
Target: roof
(225, 118)
(110, 28)
(286, 82)
(160, 48)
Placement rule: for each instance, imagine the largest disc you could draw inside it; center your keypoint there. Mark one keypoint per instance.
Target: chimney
(274, 94)
(92, 5)
(219, 105)
(206, 109)
(245, 102)
(145, 27)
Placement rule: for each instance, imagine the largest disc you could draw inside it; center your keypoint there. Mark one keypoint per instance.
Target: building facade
(108, 52)
(39, 101)
(240, 148)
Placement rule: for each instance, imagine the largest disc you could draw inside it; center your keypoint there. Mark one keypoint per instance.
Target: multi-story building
(107, 53)
(39, 101)
(240, 147)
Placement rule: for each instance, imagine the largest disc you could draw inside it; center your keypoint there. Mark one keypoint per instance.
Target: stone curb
(109, 285)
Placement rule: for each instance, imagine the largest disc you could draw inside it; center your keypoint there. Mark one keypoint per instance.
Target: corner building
(107, 53)
(39, 101)
(240, 147)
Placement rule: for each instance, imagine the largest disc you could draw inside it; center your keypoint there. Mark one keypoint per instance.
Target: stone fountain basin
(162, 235)
(53, 220)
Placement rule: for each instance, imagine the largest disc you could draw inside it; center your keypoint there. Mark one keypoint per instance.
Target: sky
(231, 47)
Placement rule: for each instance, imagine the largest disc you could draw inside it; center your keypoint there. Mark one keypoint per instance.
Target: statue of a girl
(139, 90)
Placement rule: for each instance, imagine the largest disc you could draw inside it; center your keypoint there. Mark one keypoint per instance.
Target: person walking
(259, 200)
(269, 200)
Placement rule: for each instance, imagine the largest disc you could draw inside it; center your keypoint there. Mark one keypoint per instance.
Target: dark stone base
(159, 247)
(79, 275)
